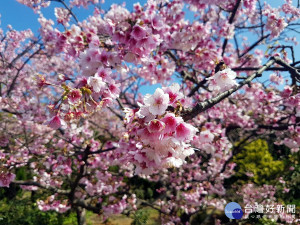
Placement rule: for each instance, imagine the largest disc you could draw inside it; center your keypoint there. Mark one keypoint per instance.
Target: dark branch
(200, 107)
(13, 83)
(230, 22)
(254, 45)
(33, 183)
(83, 204)
(256, 68)
(81, 173)
(70, 11)
(196, 88)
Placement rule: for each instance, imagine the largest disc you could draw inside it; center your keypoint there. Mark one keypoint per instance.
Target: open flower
(96, 83)
(156, 126)
(138, 32)
(56, 122)
(185, 131)
(158, 102)
(171, 122)
(206, 136)
(173, 92)
(104, 74)
(74, 96)
(222, 80)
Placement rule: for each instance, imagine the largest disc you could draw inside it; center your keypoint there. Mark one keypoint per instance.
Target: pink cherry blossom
(183, 139)
(6, 179)
(104, 74)
(62, 16)
(156, 126)
(74, 96)
(96, 83)
(223, 80)
(138, 32)
(185, 131)
(56, 122)
(173, 92)
(158, 102)
(171, 122)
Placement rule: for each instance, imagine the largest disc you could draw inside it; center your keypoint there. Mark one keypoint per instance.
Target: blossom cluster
(36, 4)
(275, 23)
(161, 136)
(90, 94)
(52, 204)
(6, 179)
(89, 64)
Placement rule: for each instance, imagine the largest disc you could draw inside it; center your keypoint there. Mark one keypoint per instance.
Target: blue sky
(22, 17)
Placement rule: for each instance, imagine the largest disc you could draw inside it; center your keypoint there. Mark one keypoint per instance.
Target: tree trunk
(81, 216)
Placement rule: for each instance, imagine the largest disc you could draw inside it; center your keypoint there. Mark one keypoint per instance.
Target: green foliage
(140, 217)
(145, 216)
(114, 169)
(23, 173)
(22, 212)
(144, 189)
(265, 221)
(256, 158)
(20, 209)
(291, 176)
(70, 219)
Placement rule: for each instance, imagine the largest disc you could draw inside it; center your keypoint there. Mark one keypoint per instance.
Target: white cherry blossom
(222, 80)
(96, 83)
(158, 102)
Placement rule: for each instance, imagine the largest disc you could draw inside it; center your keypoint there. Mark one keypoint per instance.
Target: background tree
(73, 116)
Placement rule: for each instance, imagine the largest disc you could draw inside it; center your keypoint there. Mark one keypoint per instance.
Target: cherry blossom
(6, 179)
(96, 83)
(223, 80)
(74, 96)
(161, 142)
(74, 113)
(158, 102)
(56, 122)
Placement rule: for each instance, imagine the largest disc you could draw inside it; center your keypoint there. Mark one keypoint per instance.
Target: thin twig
(230, 22)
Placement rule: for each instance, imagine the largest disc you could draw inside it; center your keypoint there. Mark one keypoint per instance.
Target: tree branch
(11, 87)
(83, 204)
(81, 173)
(196, 88)
(230, 22)
(70, 11)
(200, 107)
(254, 45)
(33, 183)
(256, 68)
